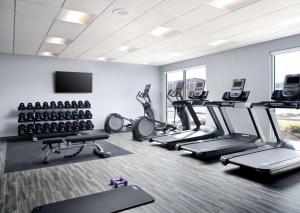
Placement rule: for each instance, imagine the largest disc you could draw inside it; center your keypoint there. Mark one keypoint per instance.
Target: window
(191, 77)
(287, 62)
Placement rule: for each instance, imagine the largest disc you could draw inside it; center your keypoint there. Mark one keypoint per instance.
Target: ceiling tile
(94, 7)
(31, 25)
(6, 6)
(6, 41)
(143, 40)
(140, 4)
(155, 18)
(196, 17)
(36, 10)
(65, 29)
(53, 3)
(7, 24)
(27, 44)
(178, 8)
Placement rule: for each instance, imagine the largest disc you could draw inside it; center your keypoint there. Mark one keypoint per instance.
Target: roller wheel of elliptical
(113, 123)
(143, 128)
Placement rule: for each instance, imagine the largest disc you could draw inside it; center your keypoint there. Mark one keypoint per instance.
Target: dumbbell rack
(35, 135)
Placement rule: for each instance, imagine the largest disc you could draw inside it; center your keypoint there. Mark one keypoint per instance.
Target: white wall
(252, 62)
(30, 79)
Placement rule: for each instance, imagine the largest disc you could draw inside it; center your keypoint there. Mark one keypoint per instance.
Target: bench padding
(53, 141)
(83, 138)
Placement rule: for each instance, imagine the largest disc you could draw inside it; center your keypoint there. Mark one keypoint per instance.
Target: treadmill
(233, 141)
(282, 156)
(200, 132)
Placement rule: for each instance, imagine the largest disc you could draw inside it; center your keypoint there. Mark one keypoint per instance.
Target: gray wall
(30, 79)
(252, 62)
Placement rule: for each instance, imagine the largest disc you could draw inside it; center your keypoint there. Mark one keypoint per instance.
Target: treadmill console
(237, 88)
(237, 92)
(291, 86)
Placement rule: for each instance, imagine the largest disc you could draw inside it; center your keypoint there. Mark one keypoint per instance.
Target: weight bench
(115, 200)
(79, 142)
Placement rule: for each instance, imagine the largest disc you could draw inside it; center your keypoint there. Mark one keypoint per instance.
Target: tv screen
(73, 82)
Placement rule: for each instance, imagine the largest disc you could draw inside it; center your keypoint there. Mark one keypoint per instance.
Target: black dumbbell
(75, 126)
(69, 126)
(22, 117)
(46, 116)
(22, 129)
(53, 116)
(60, 105)
(74, 104)
(82, 125)
(37, 105)
(54, 127)
(29, 106)
(88, 114)
(30, 129)
(45, 105)
(87, 104)
(61, 127)
(80, 104)
(46, 128)
(52, 104)
(30, 117)
(67, 104)
(89, 125)
(61, 115)
(38, 116)
(68, 115)
(74, 115)
(81, 114)
(38, 128)
(21, 106)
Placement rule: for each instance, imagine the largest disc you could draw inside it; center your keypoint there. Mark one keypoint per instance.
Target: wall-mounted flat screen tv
(73, 82)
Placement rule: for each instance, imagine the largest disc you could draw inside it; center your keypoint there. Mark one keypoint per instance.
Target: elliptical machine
(145, 126)
(115, 122)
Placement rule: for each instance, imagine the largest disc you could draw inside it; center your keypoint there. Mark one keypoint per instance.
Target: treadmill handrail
(278, 104)
(236, 104)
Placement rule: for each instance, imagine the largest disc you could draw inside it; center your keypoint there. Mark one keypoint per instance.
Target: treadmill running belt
(213, 145)
(193, 135)
(115, 200)
(266, 159)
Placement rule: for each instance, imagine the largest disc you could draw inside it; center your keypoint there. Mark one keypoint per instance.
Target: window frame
(184, 72)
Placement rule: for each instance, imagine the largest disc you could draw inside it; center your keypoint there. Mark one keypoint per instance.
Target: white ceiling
(26, 25)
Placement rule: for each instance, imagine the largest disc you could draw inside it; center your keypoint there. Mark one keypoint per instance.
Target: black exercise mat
(26, 155)
(114, 200)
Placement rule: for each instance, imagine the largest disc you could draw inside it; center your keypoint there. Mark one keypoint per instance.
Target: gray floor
(179, 182)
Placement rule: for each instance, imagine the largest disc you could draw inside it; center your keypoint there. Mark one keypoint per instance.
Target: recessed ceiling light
(73, 16)
(120, 12)
(231, 4)
(127, 49)
(48, 54)
(163, 32)
(124, 48)
(57, 40)
(102, 58)
(289, 22)
(176, 54)
(219, 42)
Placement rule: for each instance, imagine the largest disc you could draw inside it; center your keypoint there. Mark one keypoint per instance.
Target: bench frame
(60, 144)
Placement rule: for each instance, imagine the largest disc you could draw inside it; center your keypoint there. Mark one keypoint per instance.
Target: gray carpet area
(26, 155)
